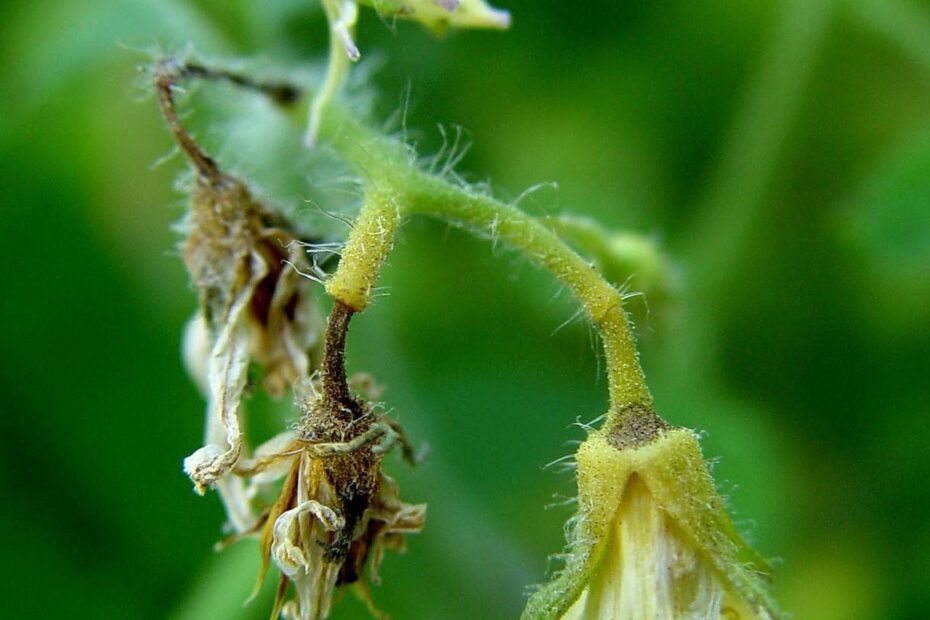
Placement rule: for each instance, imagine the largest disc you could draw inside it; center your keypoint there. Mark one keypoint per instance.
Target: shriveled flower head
(245, 264)
(652, 539)
(254, 306)
(337, 511)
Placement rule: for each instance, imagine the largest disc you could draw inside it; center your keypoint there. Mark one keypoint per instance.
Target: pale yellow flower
(652, 540)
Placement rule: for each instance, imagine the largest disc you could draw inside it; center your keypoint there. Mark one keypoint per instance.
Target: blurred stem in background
(728, 216)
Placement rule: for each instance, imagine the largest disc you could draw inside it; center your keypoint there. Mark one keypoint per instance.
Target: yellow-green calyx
(652, 539)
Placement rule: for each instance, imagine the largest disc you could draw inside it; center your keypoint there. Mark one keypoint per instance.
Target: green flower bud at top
(652, 539)
(438, 15)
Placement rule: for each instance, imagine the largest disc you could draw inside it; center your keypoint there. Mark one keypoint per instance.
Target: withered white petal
(195, 348)
(286, 548)
(276, 445)
(227, 375)
(297, 551)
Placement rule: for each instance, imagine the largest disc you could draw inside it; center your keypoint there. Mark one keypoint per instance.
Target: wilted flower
(337, 511)
(652, 539)
(253, 306)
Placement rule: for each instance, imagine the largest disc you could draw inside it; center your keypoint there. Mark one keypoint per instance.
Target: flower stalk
(415, 192)
(369, 243)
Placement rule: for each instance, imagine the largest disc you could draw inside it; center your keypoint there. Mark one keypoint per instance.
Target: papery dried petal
(389, 520)
(301, 536)
(284, 320)
(195, 349)
(253, 307)
(286, 548)
(228, 372)
(318, 533)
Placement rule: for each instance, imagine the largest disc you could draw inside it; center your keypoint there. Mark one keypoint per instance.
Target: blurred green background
(779, 150)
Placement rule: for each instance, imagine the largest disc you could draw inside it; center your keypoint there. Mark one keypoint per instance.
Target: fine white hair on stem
(438, 156)
(334, 247)
(456, 154)
(347, 185)
(397, 120)
(316, 251)
(557, 294)
(381, 291)
(560, 501)
(493, 231)
(533, 189)
(163, 159)
(339, 217)
(559, 460)
(590, 425)
(595, 350)
(316, 274)
(572, 319)
(450, 154)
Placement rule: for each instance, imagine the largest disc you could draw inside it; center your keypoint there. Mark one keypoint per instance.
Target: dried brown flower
(254, 305)
(337, 511)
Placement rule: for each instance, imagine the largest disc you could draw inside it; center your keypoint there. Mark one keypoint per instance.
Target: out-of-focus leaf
(59, 42)
(889, 224)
